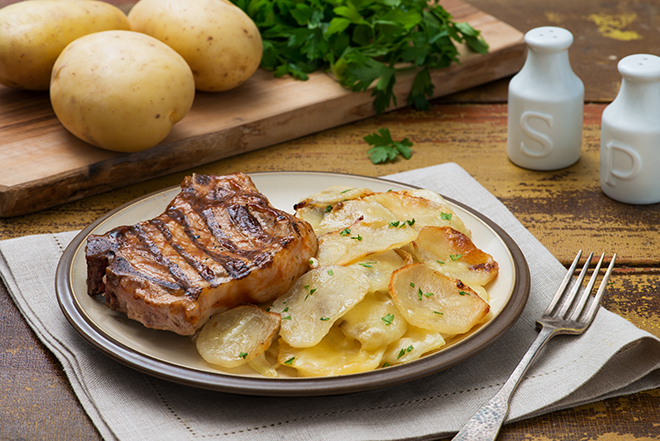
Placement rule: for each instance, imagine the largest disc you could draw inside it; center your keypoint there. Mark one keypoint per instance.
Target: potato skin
(121, 90)
(219, 41)
(34, 32)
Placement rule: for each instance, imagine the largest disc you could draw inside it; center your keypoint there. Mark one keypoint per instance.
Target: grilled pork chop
(218, 244)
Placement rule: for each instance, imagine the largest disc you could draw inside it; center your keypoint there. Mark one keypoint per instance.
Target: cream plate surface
(173, 357)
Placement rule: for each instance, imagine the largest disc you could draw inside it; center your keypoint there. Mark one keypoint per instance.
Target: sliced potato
(375, 322)
(361, 239)
(237, 336)
(379, 267)
(345, 214)
(425, 212)
(453, 254)
(311, 214)
(414, 343)
(430, 300)
(316, 300)
(334, 355)
(332, 195)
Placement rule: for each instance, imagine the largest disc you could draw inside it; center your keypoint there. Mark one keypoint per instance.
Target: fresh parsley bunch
(361, 42)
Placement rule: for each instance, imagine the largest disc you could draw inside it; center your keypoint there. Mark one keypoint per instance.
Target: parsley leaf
(385, 148)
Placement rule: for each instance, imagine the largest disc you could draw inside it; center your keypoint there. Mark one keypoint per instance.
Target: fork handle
(486, 422)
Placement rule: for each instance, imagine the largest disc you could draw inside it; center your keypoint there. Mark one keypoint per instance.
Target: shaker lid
(549, 39)
(640, 68)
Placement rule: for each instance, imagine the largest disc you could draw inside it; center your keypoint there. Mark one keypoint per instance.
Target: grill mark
(121, 266)
(204, 271)
(245, 220)
(235, 267)
(173, 268)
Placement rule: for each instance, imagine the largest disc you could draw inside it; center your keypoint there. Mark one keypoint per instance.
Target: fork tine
(565, 307)
(586, 293)
(601, 290)
(564, 284)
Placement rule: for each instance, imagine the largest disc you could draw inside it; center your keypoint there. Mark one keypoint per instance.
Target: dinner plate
(173, 357)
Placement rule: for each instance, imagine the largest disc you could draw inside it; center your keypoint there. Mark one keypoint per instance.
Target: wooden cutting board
(43, 165)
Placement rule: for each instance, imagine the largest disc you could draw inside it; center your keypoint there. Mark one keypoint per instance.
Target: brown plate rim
(317, 386)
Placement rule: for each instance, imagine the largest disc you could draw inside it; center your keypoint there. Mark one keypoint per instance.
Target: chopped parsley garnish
(325, 319)
(330, 272)
(439, 313)
(440, 262)
(455, 257)
(288, 317)
(412, 284)
(367, 264)
(290, 360)
(421, 293)
(445, 216)
(463, 293)
(388, 319)
(358, 237)
(402, 352)
(243, 355)
(311, 291)
(328, 208)
(345, 232)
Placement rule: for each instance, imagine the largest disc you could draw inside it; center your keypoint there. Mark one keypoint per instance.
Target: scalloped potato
(386, 286)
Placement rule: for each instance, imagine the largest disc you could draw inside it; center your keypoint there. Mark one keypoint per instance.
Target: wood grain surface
(54, 166)
(565, 210)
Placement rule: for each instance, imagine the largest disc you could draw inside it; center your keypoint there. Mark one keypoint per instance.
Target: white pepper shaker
(630, 134)
(546, 104)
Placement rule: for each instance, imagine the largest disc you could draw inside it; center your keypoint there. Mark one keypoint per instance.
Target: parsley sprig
(384, 148)
(361, 42)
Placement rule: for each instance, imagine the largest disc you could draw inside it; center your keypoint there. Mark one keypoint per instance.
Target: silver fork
(568, 313)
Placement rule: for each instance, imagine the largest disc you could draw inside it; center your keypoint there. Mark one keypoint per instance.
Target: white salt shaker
(546, 104)
(630, 134)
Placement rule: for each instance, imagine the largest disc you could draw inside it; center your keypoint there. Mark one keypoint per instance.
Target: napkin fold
(612, 358)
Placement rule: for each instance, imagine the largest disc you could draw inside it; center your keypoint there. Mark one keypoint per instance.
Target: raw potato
(121, 90)
(238, 335)
(33, 33)
(219, 41)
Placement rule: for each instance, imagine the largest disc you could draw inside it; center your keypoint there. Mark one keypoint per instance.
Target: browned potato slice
(430, 300)
(334, 355)
(375, 322)
(345, 214)
(316, 300)
(425, 212)
(414, 343)
(237, 336)
(453, 254)
(361, 239)
(379, 267)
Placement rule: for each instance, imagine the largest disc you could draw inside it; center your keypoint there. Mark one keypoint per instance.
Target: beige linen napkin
(612, 358)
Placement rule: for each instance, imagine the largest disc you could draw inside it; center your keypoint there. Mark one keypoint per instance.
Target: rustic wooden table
(565, 210)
